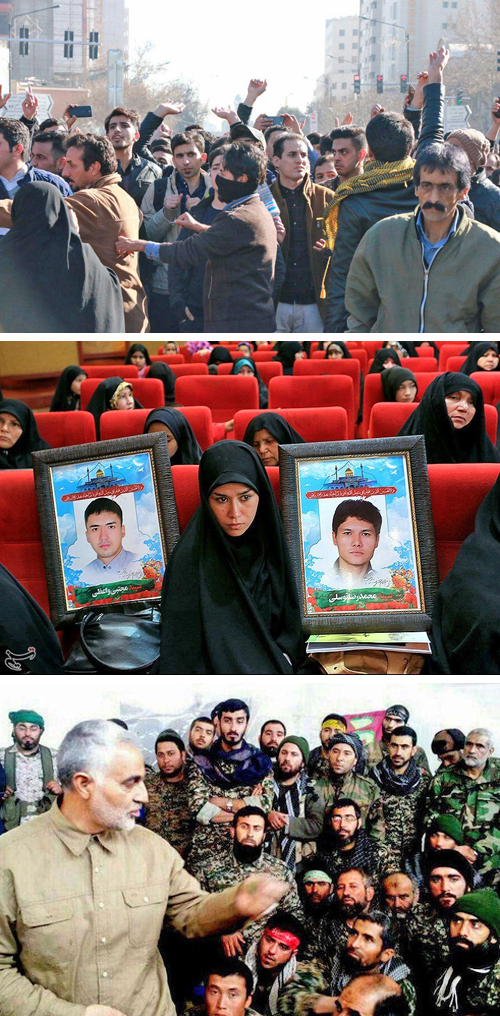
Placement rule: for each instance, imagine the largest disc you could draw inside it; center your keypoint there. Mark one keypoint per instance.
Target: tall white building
(341, 59)
(385, 51)
(46, 63)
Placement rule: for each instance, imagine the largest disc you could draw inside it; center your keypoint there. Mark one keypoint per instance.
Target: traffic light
(24, 47)
(93, 47)
(68, 47)
(460, 95)
(403, 83)
(380, 83)
(357, 84)
(498, 60)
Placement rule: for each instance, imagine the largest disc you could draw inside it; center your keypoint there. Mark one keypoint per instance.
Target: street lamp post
(402, 29)
(37, 10)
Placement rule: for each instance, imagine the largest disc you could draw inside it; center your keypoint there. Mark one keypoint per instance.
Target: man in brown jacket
(301, 204)
(104, 211)
(84, 892)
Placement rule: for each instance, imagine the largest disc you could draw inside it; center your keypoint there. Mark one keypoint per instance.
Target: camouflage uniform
(376, 859)
(222, 872)
(362, 790)
(280, 843)
(374, 753)
(213, 839)
(425, 937)
(314, 978)
(317, 921)
(167, 811)
(480, 995)
(476, 804)
(403, 816)
(317, 766)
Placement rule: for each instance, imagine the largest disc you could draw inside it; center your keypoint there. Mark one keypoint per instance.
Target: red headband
(285, 937)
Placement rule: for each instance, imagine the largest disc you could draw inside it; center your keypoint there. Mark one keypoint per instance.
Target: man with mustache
(433, 243)
(30, 771)
(471, 983)
(470, 790)
(369, 950)
(248, 833)
(449, 877)
(294, 803)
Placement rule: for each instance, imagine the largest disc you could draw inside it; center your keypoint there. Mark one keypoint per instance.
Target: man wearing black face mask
(471, 984)
(239, 248)
(248, 832)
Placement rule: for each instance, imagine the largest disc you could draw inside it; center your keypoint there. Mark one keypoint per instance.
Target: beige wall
(35, 356)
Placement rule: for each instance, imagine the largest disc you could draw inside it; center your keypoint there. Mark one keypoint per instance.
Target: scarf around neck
(377, 176)
(400, 784)
(251, 765)
(284, 976)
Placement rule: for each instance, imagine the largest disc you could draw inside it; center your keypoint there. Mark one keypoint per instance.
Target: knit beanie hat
(451, 859)
(352, 740)
(300, 742)
(474, 144)
(171, 735)
(450, 826)
(483, 904)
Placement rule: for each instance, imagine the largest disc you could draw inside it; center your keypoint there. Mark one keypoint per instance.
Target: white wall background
(151, 703)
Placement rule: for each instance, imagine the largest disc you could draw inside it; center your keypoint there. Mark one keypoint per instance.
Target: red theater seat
(20, 538)
(188, 369)
(328, 425)
(147, 390)
(128, 423)
(64, 429)
(224, 396)
(310, 392)
(448, 349)
(169, 358)
(356, 354)
(454, 363)
(417, 364)
(102, 370)
(489, 382)
(263, 355)
(456, 494)
(349, 368)
(387, 418)
(371, 346)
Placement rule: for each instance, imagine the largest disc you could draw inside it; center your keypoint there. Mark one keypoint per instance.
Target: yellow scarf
(377, 175)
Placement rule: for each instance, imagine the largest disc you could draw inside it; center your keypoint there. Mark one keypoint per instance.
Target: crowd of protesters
(261, 229)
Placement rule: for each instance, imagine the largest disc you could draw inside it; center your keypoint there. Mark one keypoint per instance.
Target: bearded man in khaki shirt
(84, 892)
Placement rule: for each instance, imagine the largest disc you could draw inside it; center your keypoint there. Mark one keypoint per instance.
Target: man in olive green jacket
(84, 892)
(434, 270)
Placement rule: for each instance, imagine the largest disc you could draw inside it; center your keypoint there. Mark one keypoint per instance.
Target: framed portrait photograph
(358, 521)
(108, 521)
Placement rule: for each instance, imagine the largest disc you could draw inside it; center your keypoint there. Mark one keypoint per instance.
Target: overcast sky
(220, 45)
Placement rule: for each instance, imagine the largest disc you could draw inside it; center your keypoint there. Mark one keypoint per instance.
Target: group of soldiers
(390, 876)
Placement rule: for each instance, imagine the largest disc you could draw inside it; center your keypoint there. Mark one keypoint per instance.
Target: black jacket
(139, 174)
(358, 212)
(180, 279)
(486, 200)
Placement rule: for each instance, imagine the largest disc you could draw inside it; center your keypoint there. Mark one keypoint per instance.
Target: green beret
(27, 716)
(300, 742)
(450, 826)
(483, 904)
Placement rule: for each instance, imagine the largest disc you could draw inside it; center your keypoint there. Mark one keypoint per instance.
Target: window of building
(372, 56)
(354, 45)
(444, 24)
(344, 84)
(454, 5)
(445, 4)
(342, 30)
(355, 31)
(334, 85)
(341, 45)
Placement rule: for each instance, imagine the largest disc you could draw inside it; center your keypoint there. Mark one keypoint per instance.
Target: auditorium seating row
(215, 400)
(463, 487)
